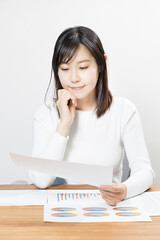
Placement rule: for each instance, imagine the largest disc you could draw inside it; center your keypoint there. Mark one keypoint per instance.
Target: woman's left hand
(114, 193)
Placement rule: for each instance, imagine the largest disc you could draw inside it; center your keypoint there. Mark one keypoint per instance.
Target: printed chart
(72, 196)
(88, 206)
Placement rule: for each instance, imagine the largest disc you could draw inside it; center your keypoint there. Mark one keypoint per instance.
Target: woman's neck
(85, 106)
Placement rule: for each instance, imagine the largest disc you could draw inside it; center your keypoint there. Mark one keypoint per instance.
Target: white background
(130, 33)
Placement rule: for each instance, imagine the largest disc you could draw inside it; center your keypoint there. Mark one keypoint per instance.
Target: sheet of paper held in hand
(76, 172)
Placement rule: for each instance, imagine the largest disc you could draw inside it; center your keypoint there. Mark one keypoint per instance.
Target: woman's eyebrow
(77, 62)
(83, 61)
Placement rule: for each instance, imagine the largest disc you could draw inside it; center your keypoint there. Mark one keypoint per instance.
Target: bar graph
(65, 197)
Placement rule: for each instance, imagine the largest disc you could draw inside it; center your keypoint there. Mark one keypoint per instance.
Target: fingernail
(101, 187)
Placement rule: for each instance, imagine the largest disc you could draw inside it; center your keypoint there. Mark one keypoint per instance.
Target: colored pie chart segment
(63, 209)
(125, 208)
(128, 214)
(96, 214)
(64, 215)
(94, 209)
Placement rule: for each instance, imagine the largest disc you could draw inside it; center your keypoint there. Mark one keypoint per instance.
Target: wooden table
(26, 222)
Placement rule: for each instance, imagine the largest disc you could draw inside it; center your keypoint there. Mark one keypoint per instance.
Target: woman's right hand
(67, 112)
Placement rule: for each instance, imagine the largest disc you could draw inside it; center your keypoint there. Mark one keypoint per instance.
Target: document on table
(88, 206)
(23, 197)
(76, 172)
(151, 202)
(84, 205)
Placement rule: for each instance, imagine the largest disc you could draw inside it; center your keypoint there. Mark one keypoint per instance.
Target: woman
(87, 124)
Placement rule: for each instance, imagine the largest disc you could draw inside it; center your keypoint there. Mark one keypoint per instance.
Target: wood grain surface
(26, 223)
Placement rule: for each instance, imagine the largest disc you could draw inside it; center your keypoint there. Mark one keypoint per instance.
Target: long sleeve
(142, 175)
(47, 143)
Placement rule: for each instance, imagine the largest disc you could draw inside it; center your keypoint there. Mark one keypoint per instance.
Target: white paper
(91, 210)
(152, 202)
(22, 197)
(148, 203)
(76, 172)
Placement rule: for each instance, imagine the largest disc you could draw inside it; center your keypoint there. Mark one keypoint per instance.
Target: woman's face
(80, 75)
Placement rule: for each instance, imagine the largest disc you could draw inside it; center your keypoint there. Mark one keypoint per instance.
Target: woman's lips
(76, 88)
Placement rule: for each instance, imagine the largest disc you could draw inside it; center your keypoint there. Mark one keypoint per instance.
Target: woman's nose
(75, 76)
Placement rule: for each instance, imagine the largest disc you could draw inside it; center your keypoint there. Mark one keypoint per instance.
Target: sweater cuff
(139, 183)
(130, 188)
(61, 139)
(41, 180)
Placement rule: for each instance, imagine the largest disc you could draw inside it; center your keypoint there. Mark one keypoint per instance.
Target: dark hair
(66, 46)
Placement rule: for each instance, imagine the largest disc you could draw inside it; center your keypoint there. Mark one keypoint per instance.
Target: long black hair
(66, 46)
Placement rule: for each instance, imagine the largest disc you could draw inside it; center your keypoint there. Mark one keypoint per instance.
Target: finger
(69, 96)
(109, 194)
(117, 195)
(114, 199)
(66, 96)
(60, 92)
(111, 188)
(111, 202)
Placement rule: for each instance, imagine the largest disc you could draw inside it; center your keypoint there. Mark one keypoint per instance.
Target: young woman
(85, 123)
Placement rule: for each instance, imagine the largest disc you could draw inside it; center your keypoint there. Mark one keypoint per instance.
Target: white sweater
(95, 141)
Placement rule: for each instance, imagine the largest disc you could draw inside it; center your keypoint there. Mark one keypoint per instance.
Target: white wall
(130, 32)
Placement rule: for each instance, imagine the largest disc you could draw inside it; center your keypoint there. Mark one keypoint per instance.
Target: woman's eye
(83, 67)
(64, 69)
